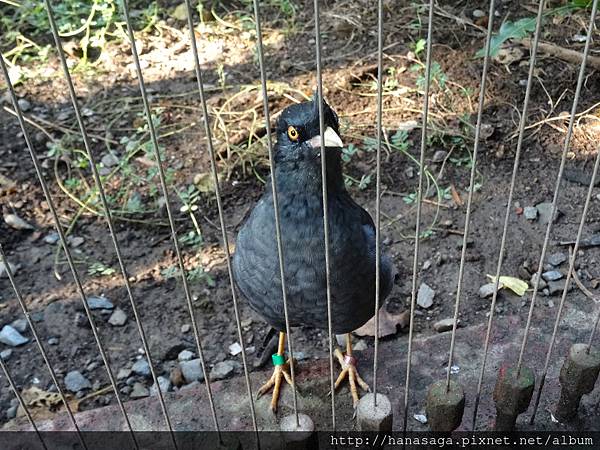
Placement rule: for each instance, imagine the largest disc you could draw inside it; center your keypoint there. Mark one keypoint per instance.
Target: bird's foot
(348, 363)
(280, 372)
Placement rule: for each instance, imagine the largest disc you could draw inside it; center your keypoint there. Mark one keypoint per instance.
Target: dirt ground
(113, 113)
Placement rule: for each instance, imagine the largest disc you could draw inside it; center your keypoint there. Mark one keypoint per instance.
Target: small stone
(14, 221)
(6, 354)
(439, 156)
(530, 212)
(191, 370)
(487, 290)
(425, 296)
(556, 259)
(544, 210)
(118, 318)
(444, 325)
(176, 377)
(20, 325)
(164, 383)
(422, 418)
(76, 382)
(185, 328)
(11, 412)
(53, 341)
(552, 275)
(51, 238)
(478, 14)
(141, 368)
(123, 374)
(542, 284)
(235, 349)
(99, 303)
(12, 337)
(75, 241)
(125, 390)
(555, 287)
(24, 104)
(109, 160)
(359, 346)
(139, 391)
(222, 370)
(185, 355)
(13, 269)
(301, 356)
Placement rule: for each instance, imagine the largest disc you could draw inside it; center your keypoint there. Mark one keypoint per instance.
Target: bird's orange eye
(293, 133)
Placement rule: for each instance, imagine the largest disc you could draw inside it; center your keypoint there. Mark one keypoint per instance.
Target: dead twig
(568, 55)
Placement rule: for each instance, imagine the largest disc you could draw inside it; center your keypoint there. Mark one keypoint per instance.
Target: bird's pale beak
(332, 139)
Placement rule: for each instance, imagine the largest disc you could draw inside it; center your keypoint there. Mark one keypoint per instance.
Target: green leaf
(509, 30)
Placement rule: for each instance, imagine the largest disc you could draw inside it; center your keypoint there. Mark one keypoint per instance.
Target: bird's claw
(280, 372)
(348, 363)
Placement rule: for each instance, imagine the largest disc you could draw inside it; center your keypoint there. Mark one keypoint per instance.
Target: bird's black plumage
(351, 234)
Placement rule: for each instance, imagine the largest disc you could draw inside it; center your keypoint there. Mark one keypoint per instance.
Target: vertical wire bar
(13, 385)
(523, 121)
(378, 190)
(108, 215)
(415, 269)
(325, 203)
(463, 254)
(65, 246)
(263, 81)
(161, 174)
(583, 214)
(563, 160)
(225, 239)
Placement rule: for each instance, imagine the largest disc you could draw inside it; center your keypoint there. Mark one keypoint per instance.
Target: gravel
(99, 303)
(425, 296)
(191, 370)
(75, 381)
(139, 391)
(141, 368)
(12, 337)
(222, 370)
(118, 318)
(164, 383)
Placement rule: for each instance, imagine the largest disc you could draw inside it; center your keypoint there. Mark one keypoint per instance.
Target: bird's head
(299, 147)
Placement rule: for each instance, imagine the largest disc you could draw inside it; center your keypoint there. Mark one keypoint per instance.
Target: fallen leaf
(456, 196)
(204, 182)
(516, 285)
(388, 324)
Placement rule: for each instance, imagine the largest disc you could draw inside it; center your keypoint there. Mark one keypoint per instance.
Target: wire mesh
(419, 198)
(108, 216)
(583, 214)
(522, 122)
(66, 250)
(161, 173)
(224, 237)
(280, 253)
(319, 49)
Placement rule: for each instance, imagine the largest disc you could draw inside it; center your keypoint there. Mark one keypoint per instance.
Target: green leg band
(278, 360)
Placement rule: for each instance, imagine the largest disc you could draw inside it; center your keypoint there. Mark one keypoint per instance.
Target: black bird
(297, 158)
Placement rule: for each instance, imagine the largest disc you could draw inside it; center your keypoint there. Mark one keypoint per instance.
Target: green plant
(436, 75)
(99, 269)
(522, 28)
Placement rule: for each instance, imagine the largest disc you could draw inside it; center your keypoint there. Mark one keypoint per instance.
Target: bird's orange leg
(281, 371)
(348, 363)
